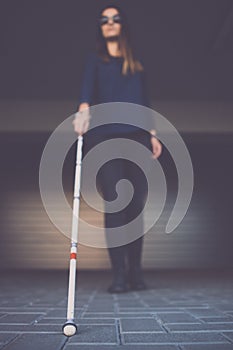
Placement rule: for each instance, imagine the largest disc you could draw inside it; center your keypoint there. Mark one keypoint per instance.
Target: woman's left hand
(156, 147)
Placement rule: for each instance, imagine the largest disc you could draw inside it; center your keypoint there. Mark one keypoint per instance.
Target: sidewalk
(181, 310)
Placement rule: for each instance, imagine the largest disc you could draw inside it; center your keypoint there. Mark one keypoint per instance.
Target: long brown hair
(130, 64)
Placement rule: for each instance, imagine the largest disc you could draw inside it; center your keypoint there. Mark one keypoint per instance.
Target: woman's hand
(82, 119)
(156, 147)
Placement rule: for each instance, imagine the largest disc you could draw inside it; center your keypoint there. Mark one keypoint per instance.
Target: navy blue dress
(103, 82)
(110, 84)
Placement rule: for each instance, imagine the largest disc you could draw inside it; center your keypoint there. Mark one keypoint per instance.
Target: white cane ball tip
(69, 330)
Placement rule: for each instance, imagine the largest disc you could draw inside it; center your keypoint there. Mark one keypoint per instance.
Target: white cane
(70, 328)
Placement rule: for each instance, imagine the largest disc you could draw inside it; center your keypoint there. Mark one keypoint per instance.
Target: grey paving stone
(207, 347)
(44, 305)
(126, 296)
(30, 328)
(19, 318)
(51, 321)
(102, 296)
(165, 304)
(130, 303)
(62, 312)
(101, 308)
(78, 321)
(13, 304)
(13, 328)
(217, 319)
(137, 309)
(154, 299)
(171, 317)
(48, 298)
(205, 312)
(134, 314)
(130, 296)
(124, 347)
(151, 309)
(98, 314)
(189, 337)
(27, 309)
(226, 306)
(102, 321)
(6, 337)
(197, 316)
(140, 324)
(95, 334)
(83, 301)
(215, 327)
(37, 342)
(57, 313)
(229, 335)
(185, 304)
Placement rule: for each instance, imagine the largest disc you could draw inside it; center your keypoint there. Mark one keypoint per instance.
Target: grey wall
(209, 116)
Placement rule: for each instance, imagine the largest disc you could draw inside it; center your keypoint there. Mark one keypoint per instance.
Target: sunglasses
(105, 19)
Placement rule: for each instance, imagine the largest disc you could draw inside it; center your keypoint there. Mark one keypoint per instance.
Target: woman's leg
(108, 176)
(134, 248)
(110, 173)
(139, 181)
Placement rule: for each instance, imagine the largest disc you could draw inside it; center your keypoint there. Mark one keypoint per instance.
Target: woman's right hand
(82, 119)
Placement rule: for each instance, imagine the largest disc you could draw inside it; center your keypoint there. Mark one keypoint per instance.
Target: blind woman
(112, 73)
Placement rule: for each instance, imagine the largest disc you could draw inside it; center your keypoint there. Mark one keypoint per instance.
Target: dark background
(186, 46)
(188, 53)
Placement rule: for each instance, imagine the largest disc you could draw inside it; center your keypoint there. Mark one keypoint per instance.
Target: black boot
(117, 257)
(135, 280)
(119, 284)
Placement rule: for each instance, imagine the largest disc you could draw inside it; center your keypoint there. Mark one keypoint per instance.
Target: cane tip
(69, 329)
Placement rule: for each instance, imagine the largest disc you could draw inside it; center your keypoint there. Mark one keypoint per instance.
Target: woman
(116, 76)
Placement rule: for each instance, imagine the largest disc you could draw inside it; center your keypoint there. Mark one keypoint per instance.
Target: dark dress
(103, 82)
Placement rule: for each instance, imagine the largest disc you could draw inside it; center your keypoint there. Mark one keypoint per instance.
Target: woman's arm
(147, 103)
(82, 117)
(156, 145)
(88, 82)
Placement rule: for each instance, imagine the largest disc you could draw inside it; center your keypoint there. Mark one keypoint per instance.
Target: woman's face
(110, 28)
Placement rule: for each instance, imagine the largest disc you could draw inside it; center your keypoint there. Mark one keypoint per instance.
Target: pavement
(181, 310)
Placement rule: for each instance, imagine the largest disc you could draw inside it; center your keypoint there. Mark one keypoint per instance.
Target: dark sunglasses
(104, 19)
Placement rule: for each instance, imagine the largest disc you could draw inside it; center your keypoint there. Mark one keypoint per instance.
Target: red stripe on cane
(73, 256)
